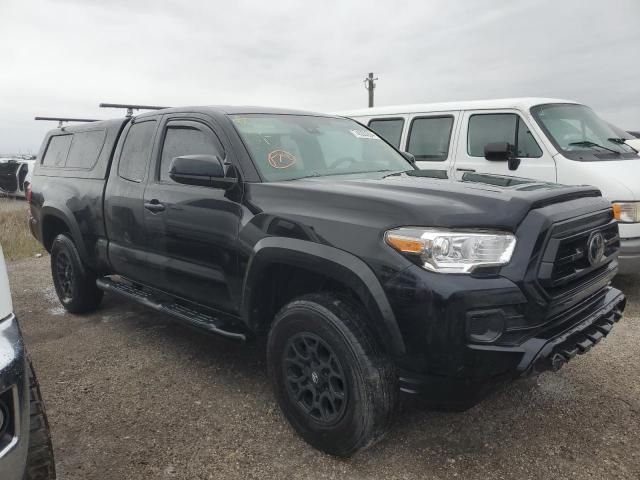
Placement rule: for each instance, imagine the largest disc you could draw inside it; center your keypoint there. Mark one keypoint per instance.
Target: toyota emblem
(595, 248)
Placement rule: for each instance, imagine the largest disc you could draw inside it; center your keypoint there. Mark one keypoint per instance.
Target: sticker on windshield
(281, 159)
(364, 134)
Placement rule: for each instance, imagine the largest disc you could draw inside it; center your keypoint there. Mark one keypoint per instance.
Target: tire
(40, 463)
(332, 381)
(74, 283)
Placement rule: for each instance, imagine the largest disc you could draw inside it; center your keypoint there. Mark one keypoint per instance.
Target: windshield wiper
(619, 141)
(317, 174)
(587, 143)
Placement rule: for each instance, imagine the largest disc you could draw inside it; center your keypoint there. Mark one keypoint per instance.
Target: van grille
(566, 266)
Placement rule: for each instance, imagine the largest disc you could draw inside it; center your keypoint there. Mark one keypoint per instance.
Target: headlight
(627, 212)
(449, 251)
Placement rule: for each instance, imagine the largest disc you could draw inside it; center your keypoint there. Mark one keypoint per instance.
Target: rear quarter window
(57, 151)
(136, 151)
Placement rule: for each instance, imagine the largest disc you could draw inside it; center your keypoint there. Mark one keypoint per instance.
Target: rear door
(191, 231)
(482, 127)
(123, 201)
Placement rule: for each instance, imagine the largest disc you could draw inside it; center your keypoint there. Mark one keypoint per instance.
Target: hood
(420, 197)
(618, 180)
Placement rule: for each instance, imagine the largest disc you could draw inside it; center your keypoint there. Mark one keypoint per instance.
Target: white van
(554, 140)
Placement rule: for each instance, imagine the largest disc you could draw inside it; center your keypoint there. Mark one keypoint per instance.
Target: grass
(15, 236)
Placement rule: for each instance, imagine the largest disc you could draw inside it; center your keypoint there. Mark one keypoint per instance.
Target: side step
(188, 314)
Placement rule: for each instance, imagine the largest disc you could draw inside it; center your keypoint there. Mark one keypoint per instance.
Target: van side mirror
(203, 170)
(502, 152)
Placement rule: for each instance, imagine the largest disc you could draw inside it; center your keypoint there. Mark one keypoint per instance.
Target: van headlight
(453, 251)
(627, 212)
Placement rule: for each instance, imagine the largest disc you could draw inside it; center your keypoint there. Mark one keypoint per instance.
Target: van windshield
(288, 147)
(576, 129)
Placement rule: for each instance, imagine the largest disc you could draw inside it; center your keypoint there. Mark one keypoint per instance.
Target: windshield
(576, 128)
(287, 147)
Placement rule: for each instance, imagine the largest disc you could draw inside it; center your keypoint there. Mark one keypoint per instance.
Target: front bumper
(14, 394)
(550, 349)
(629, 258)
(448, 369)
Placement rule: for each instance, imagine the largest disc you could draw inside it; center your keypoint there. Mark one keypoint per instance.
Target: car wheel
(331, 379)
(74, 283)
(40, 463)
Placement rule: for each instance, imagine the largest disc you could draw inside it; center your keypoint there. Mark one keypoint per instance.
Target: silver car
(25, 442)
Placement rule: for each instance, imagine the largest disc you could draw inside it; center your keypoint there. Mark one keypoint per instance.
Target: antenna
(131, 108)
(62, 120)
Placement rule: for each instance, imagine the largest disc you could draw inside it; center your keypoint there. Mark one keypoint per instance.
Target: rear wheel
(74, 283)
(40, 463)
(333, 383)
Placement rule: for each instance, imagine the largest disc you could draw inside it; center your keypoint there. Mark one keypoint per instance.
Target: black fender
(64, 214)
(332, 263)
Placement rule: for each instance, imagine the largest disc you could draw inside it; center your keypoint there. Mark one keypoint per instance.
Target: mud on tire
(74, 283)
(331, 379)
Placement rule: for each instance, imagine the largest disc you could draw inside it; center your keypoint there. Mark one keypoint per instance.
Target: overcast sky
(63, 57)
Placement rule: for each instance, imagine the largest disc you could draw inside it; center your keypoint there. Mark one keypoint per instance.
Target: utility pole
(369, 84)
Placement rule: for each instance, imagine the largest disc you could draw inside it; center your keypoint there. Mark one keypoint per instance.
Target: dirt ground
(133, 395)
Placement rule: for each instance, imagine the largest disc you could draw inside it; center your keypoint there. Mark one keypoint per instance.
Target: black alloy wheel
(315, 377)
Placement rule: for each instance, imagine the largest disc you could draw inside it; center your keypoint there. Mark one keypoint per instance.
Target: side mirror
(502, 152)
(203, 170)
(410, 157)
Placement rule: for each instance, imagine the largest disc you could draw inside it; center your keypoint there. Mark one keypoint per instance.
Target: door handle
(466, 169)
(154, 206)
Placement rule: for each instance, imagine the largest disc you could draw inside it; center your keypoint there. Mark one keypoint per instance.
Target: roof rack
(131, 108)
(62, 120)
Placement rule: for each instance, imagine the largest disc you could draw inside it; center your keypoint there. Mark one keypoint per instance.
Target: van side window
(136, 151)
(85, 148)
(429, 138)
(182, 140)
(388, 128)
(57, 151)
(500, 127)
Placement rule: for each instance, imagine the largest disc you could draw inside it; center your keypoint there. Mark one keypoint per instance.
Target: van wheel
(332, 382)
(40, 463)
(74, 283)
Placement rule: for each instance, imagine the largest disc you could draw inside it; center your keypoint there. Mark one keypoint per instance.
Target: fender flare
(332, 263)
(65, 215)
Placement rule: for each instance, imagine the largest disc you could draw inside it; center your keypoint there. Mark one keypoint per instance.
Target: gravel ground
(132, 395)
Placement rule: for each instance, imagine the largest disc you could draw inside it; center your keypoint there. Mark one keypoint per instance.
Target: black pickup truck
(367, 276)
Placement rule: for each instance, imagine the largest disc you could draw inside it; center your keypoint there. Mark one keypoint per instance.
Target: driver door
(482, 127)
(191, 230)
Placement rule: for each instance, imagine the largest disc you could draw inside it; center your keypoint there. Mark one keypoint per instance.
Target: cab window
(136, 151)
(501, 127)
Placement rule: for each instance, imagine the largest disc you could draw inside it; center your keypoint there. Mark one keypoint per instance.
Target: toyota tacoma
(367, 276)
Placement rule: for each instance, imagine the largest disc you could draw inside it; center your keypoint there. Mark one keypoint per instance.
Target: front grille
(566, 266)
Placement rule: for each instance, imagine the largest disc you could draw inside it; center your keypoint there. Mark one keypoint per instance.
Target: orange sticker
(281, 159)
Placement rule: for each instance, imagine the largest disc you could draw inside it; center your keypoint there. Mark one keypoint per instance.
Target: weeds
(15, 236)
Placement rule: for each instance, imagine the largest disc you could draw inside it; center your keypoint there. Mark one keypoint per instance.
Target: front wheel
(333, 383)
(74, 283)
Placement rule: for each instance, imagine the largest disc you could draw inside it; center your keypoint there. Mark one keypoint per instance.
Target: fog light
(485, 326)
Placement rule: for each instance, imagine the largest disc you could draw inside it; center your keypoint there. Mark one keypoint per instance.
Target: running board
(188, 314)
